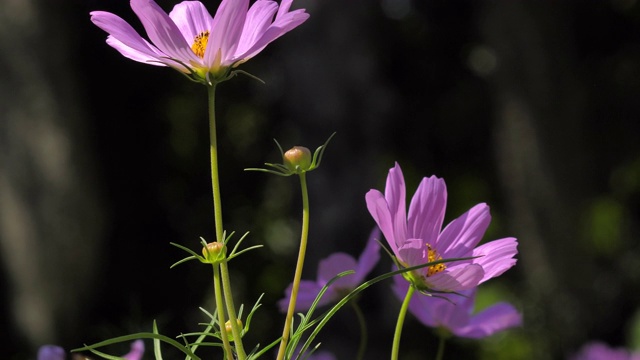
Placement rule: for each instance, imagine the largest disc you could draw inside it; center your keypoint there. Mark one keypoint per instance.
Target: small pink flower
(54, 352)
(419, 238)
(328, 269)
(600, 351)
(454, 312)
(189, 40)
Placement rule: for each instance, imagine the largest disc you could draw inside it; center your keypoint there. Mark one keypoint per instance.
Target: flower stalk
(220, 307)
(441, 342)
(298, 273)
(363, 330)
(217, 209)
(401, 316)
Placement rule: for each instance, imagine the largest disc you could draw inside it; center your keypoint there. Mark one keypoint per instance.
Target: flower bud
(298, 159)
(229, 330)
(214, 252)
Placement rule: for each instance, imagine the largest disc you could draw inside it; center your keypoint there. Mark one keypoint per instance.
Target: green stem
(215, 179)
(217, 210)
(298, 274)
(403, 312)
(220, 310)
(440, 353)
(228, 296)
(363, 330)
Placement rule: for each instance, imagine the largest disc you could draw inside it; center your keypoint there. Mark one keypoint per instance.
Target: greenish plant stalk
(298, 274)
(228, 297)
(401, 316)
(363, 330)
(220, 307)
(215, 179)
(217, 209)
(440, 354)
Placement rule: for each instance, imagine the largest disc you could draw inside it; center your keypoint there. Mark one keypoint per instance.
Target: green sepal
(282, 170)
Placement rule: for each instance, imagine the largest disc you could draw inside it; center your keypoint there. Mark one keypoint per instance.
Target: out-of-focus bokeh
(532, 107)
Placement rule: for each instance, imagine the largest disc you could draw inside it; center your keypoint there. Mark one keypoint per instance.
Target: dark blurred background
(532, 107)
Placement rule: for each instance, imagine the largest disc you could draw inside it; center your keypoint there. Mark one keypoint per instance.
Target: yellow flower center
(200, 44)
(433, 255)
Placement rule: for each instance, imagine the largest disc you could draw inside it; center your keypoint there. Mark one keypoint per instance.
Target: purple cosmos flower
(418, 238)
(601, 351)
(189, 40)
(328, 269)
(51, 352)
(54, 352)
(453, 312)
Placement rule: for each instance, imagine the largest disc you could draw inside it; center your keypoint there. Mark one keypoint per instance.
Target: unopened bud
(229, 330)
(214, 252)
(298, 158)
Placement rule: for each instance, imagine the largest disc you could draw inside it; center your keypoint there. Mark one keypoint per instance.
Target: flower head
(600, 351)
(189, 40)
(328, 269)
(453, 313)
(419, 238)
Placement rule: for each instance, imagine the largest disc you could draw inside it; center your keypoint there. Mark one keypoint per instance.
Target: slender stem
(228, 296)
(215, 179)
(440, 354)
(217, 210)
(403, 312)
(363, 330)
(220, 310)
(298, 274)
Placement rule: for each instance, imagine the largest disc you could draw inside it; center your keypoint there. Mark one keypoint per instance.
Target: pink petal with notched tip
(226, 31)
(163, 32)
(496, 257)
(463, 234)
(191, 18)
(124, 38)
(426, 212)
(379, 210)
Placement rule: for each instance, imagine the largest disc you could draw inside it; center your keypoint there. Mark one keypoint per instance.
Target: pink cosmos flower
(600, 351)
(328, 269)
(454, 312)
(54, 352)
(189, 40)
(419, 238)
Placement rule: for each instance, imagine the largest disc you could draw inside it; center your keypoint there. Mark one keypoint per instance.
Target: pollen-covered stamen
(200, 44)
(433, 255)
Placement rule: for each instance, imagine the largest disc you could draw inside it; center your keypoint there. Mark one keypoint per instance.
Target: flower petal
(137, 350)
(395, 193)
(251, 45)
(427, 209)
(226, 30)
(379, 210)
(463, 234)
(495, 318)
(332, 266)
(192, 18)
(369, 257)
(163, 32)
(259, 17)
(456, 279)
(413, 252)
(307, 293)
(124, 38)
(51, 352)
(496, 257)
